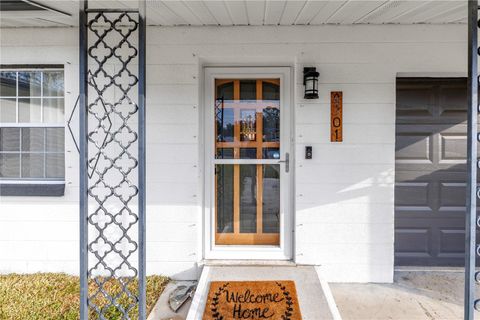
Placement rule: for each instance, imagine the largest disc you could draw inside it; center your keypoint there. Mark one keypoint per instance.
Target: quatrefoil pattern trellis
(113, 164)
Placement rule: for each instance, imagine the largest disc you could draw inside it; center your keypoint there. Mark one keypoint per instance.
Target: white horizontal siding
(26, 265)
(353, 154)
(343, 196)
(354, 133)
(353, 113)
(43, 250)
(309, 172)
(172, 134)
(372, 213)
(361, 193)
(185, 153)
(336, 233)
(357, 253)
(158, 115)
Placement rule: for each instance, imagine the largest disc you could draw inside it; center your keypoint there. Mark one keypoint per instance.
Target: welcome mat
(274, 300)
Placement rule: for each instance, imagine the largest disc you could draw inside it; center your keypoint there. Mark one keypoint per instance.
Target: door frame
(248, 252)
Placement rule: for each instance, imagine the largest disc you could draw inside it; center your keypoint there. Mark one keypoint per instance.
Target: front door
(248, 126)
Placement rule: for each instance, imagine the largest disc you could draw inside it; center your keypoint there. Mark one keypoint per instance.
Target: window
(32, 125)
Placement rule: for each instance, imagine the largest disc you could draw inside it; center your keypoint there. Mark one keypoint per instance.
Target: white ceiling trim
(258, 12)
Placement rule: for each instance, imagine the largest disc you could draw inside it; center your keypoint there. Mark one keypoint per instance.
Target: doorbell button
(308, 152)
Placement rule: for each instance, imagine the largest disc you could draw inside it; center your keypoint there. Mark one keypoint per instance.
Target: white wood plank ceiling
(257, 12)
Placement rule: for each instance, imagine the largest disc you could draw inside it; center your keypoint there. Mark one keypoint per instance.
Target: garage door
(430, 171)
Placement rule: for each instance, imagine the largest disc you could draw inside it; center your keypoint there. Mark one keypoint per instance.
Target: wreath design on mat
(215, 300)
(288, 301)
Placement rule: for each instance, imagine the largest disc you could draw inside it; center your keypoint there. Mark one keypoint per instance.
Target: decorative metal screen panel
(112, 164)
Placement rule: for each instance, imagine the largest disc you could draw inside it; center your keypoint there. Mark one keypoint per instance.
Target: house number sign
(336, 116)
(274, 300)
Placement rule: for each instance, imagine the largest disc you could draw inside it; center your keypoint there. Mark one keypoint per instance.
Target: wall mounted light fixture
(310, 81)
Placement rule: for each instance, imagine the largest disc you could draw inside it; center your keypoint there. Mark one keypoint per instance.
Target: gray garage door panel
(430, 172)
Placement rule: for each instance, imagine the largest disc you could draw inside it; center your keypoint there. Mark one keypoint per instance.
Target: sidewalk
(414, 295)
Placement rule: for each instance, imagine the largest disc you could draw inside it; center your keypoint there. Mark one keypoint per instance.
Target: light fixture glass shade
(310, 81)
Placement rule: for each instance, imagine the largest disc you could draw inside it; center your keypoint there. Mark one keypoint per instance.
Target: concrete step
(314, 296)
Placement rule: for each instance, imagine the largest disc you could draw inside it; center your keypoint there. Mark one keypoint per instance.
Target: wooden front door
(247, 162)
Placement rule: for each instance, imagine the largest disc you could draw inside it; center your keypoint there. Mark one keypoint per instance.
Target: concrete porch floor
(313, 293)
(414, 295)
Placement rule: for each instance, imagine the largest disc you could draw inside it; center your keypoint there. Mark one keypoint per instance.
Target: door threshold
(284, 263)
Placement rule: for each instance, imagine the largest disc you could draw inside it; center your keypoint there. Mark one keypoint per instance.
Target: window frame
(13, 185)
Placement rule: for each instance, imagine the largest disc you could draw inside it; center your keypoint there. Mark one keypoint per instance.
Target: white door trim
(237, 252)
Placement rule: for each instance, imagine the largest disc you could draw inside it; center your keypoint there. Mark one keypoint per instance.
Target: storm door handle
(286, 161)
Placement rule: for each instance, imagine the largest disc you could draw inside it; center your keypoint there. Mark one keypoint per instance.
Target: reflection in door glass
(271, 91)
(248, 125)
(247, 130)
(224, 153)
(271, 114)
(224, 197)
(271, 198)
(271, 124)
(248, 89)
(225, 91)
(271, 153)
(225, 123)
(248, 198)
(248, 153)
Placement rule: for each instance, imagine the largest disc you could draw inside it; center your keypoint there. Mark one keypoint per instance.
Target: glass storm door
(248, 162)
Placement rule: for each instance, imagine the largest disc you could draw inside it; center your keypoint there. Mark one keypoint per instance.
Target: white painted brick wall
(344, 196)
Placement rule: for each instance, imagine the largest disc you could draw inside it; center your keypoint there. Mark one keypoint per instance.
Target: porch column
(112, 161)
(472, 163)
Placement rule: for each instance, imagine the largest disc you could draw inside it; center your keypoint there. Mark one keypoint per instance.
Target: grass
(55, 296)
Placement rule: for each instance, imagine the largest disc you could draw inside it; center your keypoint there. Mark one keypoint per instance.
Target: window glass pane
(270, 91)
(9, 165)
(248, 153)
(248, 125)
(224, 153)
(55, 140)
(32, 165)
(225, 125)
(9, 139)
(271, 153)
(271, 198)
(52, 83)
(33, 152)
(53, 110)
(271, 124)
(248, 90)
(55, 165)
(8, 84)
(33, 139)
(8, 110)
(248, 198)
(224, 179)
(225, 91)
(29, 110)
(29, 83)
